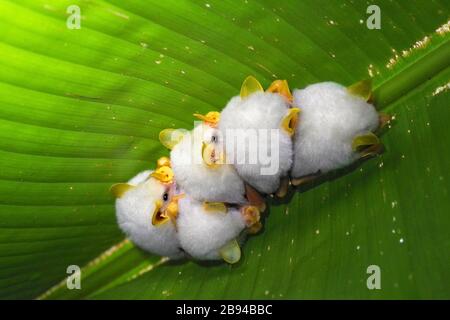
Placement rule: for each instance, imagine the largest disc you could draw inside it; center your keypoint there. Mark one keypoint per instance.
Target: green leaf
(81, 110)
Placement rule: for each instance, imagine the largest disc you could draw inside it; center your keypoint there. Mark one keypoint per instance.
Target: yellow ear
(289, 122)
(365, 140)
(361, 89)
(170, 137)
(249, 86)
(231, 252)
(119, 189)
(282, 88)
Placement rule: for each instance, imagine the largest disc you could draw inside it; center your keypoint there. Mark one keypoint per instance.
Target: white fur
(258, 111)
(221, 184)
(134, 212)
(202, 233)
(330, 118)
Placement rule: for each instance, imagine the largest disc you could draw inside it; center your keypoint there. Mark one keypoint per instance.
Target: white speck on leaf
(441, 89)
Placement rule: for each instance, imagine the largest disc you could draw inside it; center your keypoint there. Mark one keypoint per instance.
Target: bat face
(199, 164)
(201, 147)
(212, 148)
(166, 197)
(147, 212)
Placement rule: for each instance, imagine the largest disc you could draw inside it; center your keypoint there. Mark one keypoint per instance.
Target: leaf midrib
(413, 75)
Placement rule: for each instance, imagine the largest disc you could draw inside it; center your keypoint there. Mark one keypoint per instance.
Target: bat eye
(214, 139)
(165, 196)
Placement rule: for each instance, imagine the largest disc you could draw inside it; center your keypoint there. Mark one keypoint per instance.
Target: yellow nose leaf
(209, 156)
(250, 85)
(172, 210)
(158, 218)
